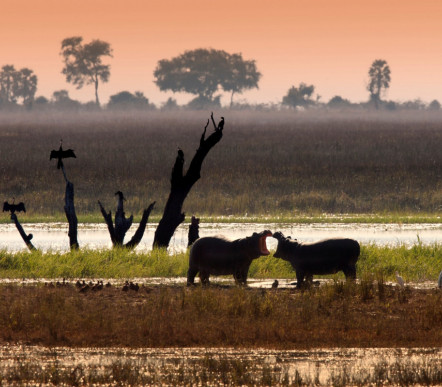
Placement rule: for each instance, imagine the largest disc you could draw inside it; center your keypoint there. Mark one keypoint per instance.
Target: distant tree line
(205, 73)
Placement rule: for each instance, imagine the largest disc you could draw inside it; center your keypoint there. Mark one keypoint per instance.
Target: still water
(327, 366)
(54, 237)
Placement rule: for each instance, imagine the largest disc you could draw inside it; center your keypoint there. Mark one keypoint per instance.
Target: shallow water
(317, 366)
(53, 236)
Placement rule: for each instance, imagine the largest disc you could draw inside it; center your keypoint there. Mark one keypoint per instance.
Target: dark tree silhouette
(69, 206)
(379, 80)
(299, 96)
(83, 62)
(194, 228)
(122, 224)
(181, 185)
(20, 207)
(16, 84)
(204, 71)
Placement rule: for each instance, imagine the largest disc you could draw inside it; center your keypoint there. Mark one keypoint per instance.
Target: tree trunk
(69, 209)
(122, 224)
(26, 238)
(181, 186)
(194, 228)
(97, 101)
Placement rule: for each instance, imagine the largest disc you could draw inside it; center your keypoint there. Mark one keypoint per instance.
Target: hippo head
(262, 246)
(283, 245)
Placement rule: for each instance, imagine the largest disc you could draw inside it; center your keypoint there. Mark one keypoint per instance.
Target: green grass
(276, 165)
(417, 263)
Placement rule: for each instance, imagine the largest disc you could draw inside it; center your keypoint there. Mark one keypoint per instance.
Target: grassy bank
(267, 164)
(418, 263)
(369, 314)
(385, 218)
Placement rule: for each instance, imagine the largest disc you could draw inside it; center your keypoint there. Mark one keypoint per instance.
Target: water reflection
(54, 237)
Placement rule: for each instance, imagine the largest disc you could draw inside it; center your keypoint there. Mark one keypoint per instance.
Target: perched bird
(14, 207)
(275, 284)
(221, 124)
(120, 195)
(439, 281)
(61, 154)
(133, 286)
(400, 280)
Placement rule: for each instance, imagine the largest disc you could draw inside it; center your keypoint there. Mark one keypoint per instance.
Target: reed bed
(275, 164)
(340, 314)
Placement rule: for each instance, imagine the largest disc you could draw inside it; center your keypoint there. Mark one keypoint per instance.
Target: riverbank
(416, 263)
(365, 314)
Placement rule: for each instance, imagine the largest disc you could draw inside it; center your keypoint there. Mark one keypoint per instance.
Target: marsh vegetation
(267, 164)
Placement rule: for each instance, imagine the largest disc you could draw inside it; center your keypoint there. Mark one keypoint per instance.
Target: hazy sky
(328, 43)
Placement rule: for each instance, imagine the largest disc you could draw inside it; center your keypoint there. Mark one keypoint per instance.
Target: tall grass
(416, 263)
(266, 164)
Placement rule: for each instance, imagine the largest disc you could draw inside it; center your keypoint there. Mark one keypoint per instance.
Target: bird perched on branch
(14, 207)
(221, 124)
(61, 154)
(120, 195)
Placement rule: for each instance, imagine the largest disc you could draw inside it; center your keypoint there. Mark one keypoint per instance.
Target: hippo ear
(278, 235)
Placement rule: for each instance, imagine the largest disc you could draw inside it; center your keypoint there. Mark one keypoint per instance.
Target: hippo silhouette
(220, 256)
(324, 257)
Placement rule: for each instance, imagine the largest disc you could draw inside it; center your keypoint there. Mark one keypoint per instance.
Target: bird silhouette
(61, 154)
(221, 124)
(400, 280)
(120, 195)
(14, 207)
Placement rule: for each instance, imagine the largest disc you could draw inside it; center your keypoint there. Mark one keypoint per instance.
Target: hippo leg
(240, 277)
(299, 279)
(350, 271)
(191, 273)
(204, 277)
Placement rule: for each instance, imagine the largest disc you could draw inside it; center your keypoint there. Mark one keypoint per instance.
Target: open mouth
(263, 245)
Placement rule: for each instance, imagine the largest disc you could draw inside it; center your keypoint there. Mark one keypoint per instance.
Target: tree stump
(122, 224)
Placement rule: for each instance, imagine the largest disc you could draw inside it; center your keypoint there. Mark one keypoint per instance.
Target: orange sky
(328, 43)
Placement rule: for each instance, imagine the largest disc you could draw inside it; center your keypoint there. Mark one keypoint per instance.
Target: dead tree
(182, 184)
(26, 237)
(69, 209)
(122, 224)
(194, 228)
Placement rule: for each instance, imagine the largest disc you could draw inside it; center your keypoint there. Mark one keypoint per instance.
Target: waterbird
(221, 124)
(14, 207)
(400, 280)
(61, 154)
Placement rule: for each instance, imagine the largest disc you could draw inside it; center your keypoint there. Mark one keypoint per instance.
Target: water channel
(54, 237)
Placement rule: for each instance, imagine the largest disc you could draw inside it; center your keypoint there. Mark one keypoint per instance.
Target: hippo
(219, 256)
(324, 257)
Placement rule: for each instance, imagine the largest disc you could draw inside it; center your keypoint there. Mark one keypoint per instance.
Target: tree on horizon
(203, 72)
(83, 62)
(379, 80)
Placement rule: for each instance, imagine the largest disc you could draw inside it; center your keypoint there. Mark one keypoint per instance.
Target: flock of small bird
(84, 286)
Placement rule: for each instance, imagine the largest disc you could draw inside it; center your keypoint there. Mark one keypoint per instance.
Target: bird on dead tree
(120, 195)
(14, 207)
(221, 124)
(61, 154)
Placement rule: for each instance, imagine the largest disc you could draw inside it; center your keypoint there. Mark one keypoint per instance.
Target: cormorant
(61, 154)
(14, 207)
(221, 124)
